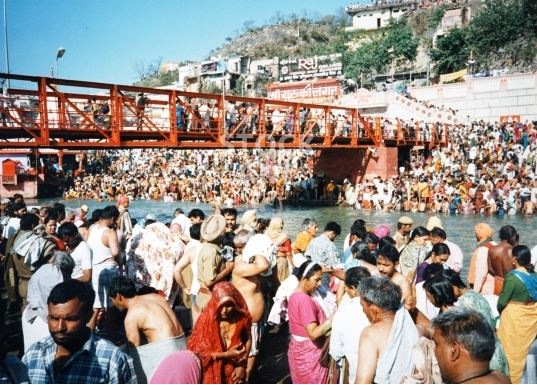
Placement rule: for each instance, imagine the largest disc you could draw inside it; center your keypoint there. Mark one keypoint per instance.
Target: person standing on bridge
(140, 101)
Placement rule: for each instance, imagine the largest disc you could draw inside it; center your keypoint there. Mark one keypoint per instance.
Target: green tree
(400, 41)
(452, 51)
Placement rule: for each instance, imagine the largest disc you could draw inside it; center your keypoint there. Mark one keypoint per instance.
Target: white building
(378, 13)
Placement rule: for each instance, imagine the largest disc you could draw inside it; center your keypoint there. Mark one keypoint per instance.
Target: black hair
(314, 269)
(454, 278)
(468, 328)
(110, 212)
(419, 231)
(95, 216)
(371, 238)
(355, 275)
(67, 229)
(439, 249)
(432, 270)
(122, 285)
(508, 233)
(195, 231)
(228, 238)
(59, 209)
(196, 213)
(387, 240)
(359, 223)
(29, 221)
(262, 224)
(229, 211)
(440, 288)
(438, 232)
(389, 252)
(49, 218)
(333, 226)
(361, 251)
(71, 289)
(522, 254)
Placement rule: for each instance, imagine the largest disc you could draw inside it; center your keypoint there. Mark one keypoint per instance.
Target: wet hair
(109, 212)
(381, 292)
(355, 275)
(71, 289)
(508, 233)
(333, 226)
(439, 249)
(29, 221)
(440, 288)
(195, 231)
(308, 222)
(229, 211)
(468, 328)
(389, 252)
(123, 286)
(361, 251)
(359, 232)
(522, 254)
(454, 278)
(196, 213)
(64, 261)
(314, 269)
(419, 231)
(438, 232)
(432, 270)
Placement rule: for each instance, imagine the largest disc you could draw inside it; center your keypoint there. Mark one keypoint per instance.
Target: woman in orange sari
(221, 336)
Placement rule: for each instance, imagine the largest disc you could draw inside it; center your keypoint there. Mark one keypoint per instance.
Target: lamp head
(60, 53)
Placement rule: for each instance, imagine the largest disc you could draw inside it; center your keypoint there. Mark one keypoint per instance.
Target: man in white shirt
(79, 251)
(348, 323)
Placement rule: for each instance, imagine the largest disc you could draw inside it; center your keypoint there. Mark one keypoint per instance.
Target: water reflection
(458, 228)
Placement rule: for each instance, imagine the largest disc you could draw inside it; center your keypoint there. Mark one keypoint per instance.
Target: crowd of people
(486, 168)
(97, 298)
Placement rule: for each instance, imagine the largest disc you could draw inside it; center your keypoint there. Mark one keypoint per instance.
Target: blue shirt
(97, 362)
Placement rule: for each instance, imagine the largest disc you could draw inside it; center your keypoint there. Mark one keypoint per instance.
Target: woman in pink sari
(308, 326)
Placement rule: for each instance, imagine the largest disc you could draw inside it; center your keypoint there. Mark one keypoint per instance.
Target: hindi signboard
(311, 67)
(318, 89)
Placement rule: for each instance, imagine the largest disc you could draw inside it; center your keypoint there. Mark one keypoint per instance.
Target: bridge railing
(60, 113)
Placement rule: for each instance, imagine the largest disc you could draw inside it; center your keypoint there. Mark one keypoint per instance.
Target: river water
(459, 228)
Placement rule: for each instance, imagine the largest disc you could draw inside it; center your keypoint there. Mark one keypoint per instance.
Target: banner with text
(319, 89)
(311, 67)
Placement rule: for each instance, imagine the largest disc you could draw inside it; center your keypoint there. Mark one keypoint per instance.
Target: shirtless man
(246, 277)
(500, 259)
(150, 324)
(387, 262)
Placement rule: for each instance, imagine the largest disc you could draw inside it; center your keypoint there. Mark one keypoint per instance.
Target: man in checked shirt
(73, 354)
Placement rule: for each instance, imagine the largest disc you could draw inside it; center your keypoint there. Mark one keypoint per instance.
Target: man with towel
(385, 345)
(150, 324)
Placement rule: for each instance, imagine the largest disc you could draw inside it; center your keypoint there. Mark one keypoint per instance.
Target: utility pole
(6, 49)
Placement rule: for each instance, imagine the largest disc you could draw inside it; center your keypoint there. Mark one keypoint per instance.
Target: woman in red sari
(221, 336)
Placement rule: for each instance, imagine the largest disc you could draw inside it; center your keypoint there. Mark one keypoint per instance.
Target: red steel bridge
(43, 112)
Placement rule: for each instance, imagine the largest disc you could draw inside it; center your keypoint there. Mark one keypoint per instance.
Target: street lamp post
(6, 41)
(59, 55)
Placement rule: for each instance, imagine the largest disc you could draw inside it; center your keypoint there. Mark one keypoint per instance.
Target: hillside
(502, 34)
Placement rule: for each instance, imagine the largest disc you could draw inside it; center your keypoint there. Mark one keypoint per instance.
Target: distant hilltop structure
(377, 13)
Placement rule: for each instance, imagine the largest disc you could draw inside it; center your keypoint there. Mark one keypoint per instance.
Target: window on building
(378, 22)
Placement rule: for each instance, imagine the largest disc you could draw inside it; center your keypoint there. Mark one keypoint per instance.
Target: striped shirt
(97, 362)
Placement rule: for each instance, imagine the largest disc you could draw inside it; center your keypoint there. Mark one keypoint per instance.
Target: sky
(107, 40)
